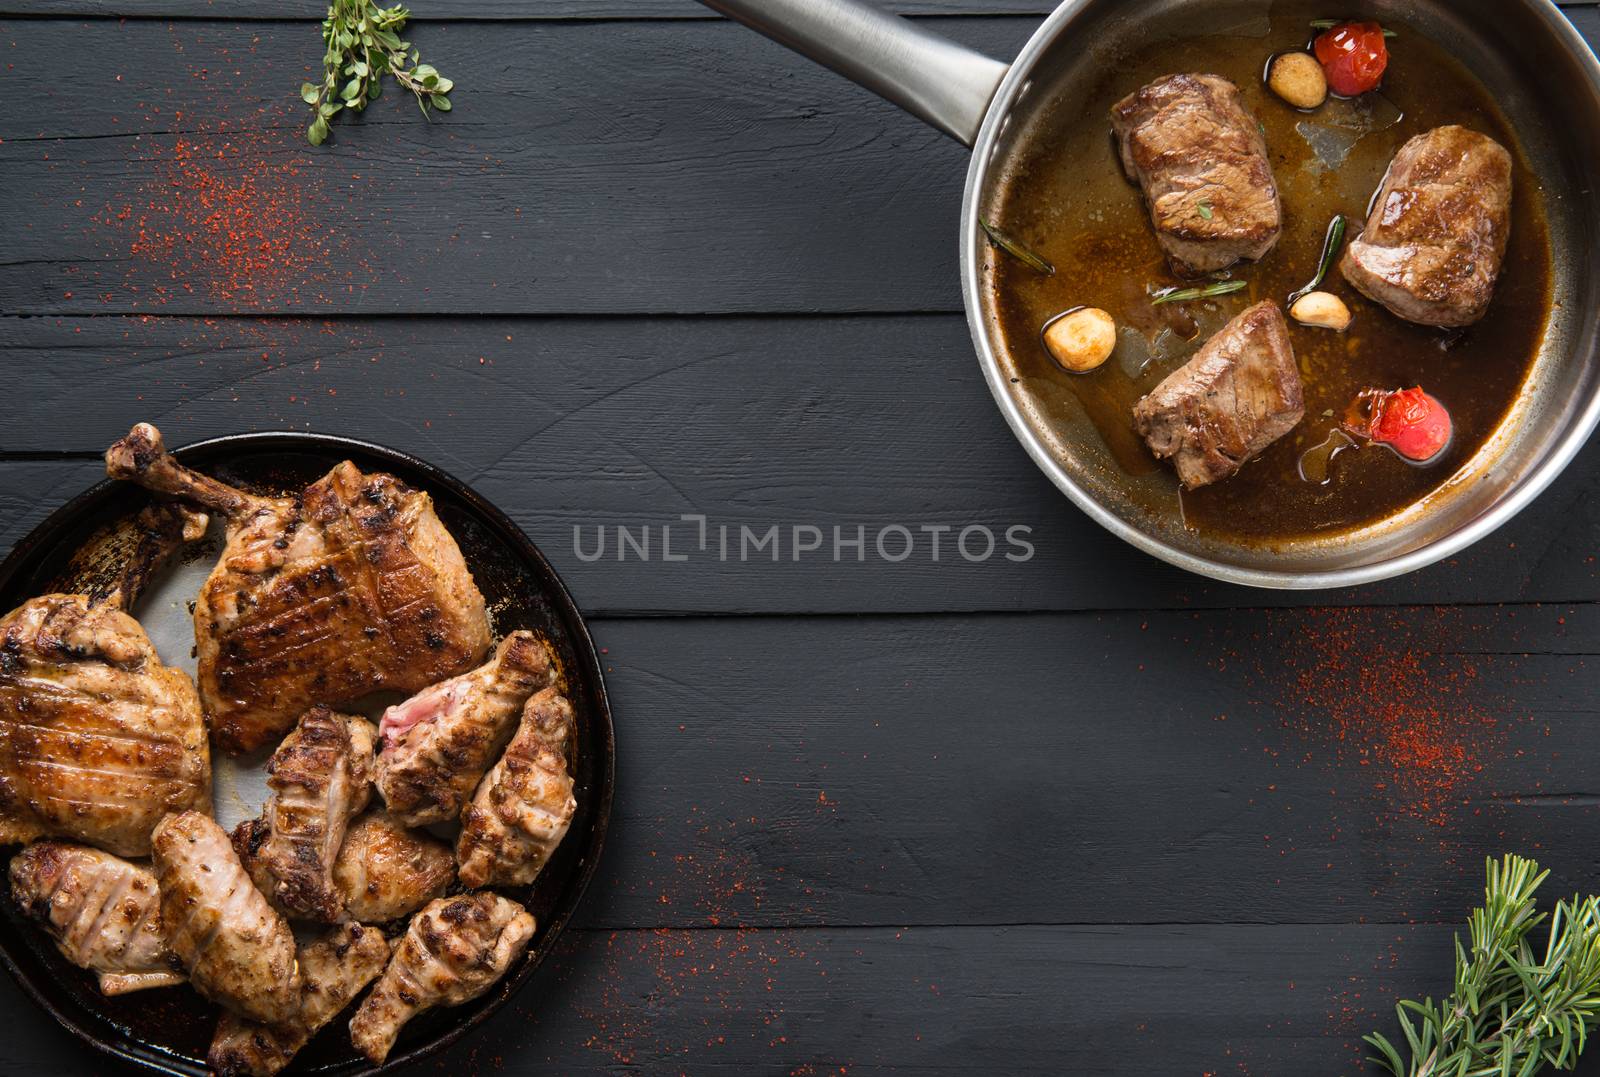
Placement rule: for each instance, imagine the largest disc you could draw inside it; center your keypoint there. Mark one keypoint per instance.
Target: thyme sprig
(1511, 1012)
(363, 44)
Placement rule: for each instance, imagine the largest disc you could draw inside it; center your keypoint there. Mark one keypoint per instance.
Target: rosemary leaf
(1209, 291)
(1331, 245)
(1016, 250)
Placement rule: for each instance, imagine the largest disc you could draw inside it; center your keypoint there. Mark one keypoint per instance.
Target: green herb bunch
(1511, 1012)
(363, 43)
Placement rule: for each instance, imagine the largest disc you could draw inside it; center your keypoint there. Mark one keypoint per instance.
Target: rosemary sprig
(1510, 1012)
(1016, 250)
(1331, 246)
(1329, 24)
(1209, 291)
(363, 43)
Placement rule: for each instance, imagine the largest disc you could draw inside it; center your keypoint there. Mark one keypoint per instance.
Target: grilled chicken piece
(98, 739)
(439, 743)
(103, 912)
(333, 970)
(320, 776)
(238, 951)
(351, 586)
(386, 871)
(454, 951)
(523, 808)
(1432, 248)
(1239, 394)
(1202, 161)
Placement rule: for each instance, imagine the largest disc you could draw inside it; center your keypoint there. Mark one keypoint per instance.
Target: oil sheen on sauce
(1070, 202)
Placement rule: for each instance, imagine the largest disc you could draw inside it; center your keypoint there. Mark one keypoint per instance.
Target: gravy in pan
(1070, 202)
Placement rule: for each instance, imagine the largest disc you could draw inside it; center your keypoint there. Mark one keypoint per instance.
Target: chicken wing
(320, 776)
(438, 744)
(98, 739)
(103, 912)
(454, 951)
(386, 871)
(333, 970)
(238, 951)
(351, 586)
(523, 807)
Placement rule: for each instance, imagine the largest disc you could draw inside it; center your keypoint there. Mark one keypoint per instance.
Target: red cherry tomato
(1354, 56)
(1409, 421)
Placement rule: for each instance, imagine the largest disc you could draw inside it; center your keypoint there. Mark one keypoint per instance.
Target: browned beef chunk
(1432, 249)
(1239, 394)
(1200, 156)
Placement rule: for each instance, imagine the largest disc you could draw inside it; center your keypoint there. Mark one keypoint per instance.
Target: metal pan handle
(936, 80)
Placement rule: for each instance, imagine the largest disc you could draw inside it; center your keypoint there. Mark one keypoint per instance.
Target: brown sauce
(1070, 202)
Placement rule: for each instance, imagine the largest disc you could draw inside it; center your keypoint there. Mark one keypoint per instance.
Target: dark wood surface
(1078, 814)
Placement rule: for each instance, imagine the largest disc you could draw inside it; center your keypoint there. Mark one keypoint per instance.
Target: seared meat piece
(1239, 394)
(351, 586)
(103, 912)
(386, 871)
(320, 776)
(454, 951)
(439, 743)
(523, 808)
(1432, 248)
(239, 952)
(1202, 161)
(98, 739)
(333, 970)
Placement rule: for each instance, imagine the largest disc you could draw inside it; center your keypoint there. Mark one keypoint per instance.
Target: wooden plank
(1133, 1001)
(707, 170)
(499, 10)
(458, 10)
(1298, 766)
(581, 427)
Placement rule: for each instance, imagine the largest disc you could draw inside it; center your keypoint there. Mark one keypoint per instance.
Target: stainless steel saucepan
(1530, 57)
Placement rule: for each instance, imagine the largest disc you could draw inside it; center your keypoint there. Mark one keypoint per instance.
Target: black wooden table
(1079, 813)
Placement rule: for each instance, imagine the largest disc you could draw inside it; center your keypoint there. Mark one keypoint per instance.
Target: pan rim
(151, 1057)
(1552, 461)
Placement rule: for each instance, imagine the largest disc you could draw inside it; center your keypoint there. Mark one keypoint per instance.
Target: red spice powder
(1391, 693)
(232, 217)
(735, 967)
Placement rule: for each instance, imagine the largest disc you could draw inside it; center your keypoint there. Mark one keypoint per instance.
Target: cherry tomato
(1354, 56)
(1409, 421)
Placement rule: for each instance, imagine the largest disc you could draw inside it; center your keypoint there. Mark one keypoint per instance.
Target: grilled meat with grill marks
(239, 952)
(454, 951)
(351, 586)
(103, 912)
(523, 807)
(320, 776)
(98, 739)
(387, 871)
(1202, 161)
(440, 742)
(1432, 248)
(333, 970)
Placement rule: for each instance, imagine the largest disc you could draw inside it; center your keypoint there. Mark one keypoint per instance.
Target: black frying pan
(168, 1030)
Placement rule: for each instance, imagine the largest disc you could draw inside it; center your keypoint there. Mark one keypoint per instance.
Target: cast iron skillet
(168, 1030)
(1525, 52)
